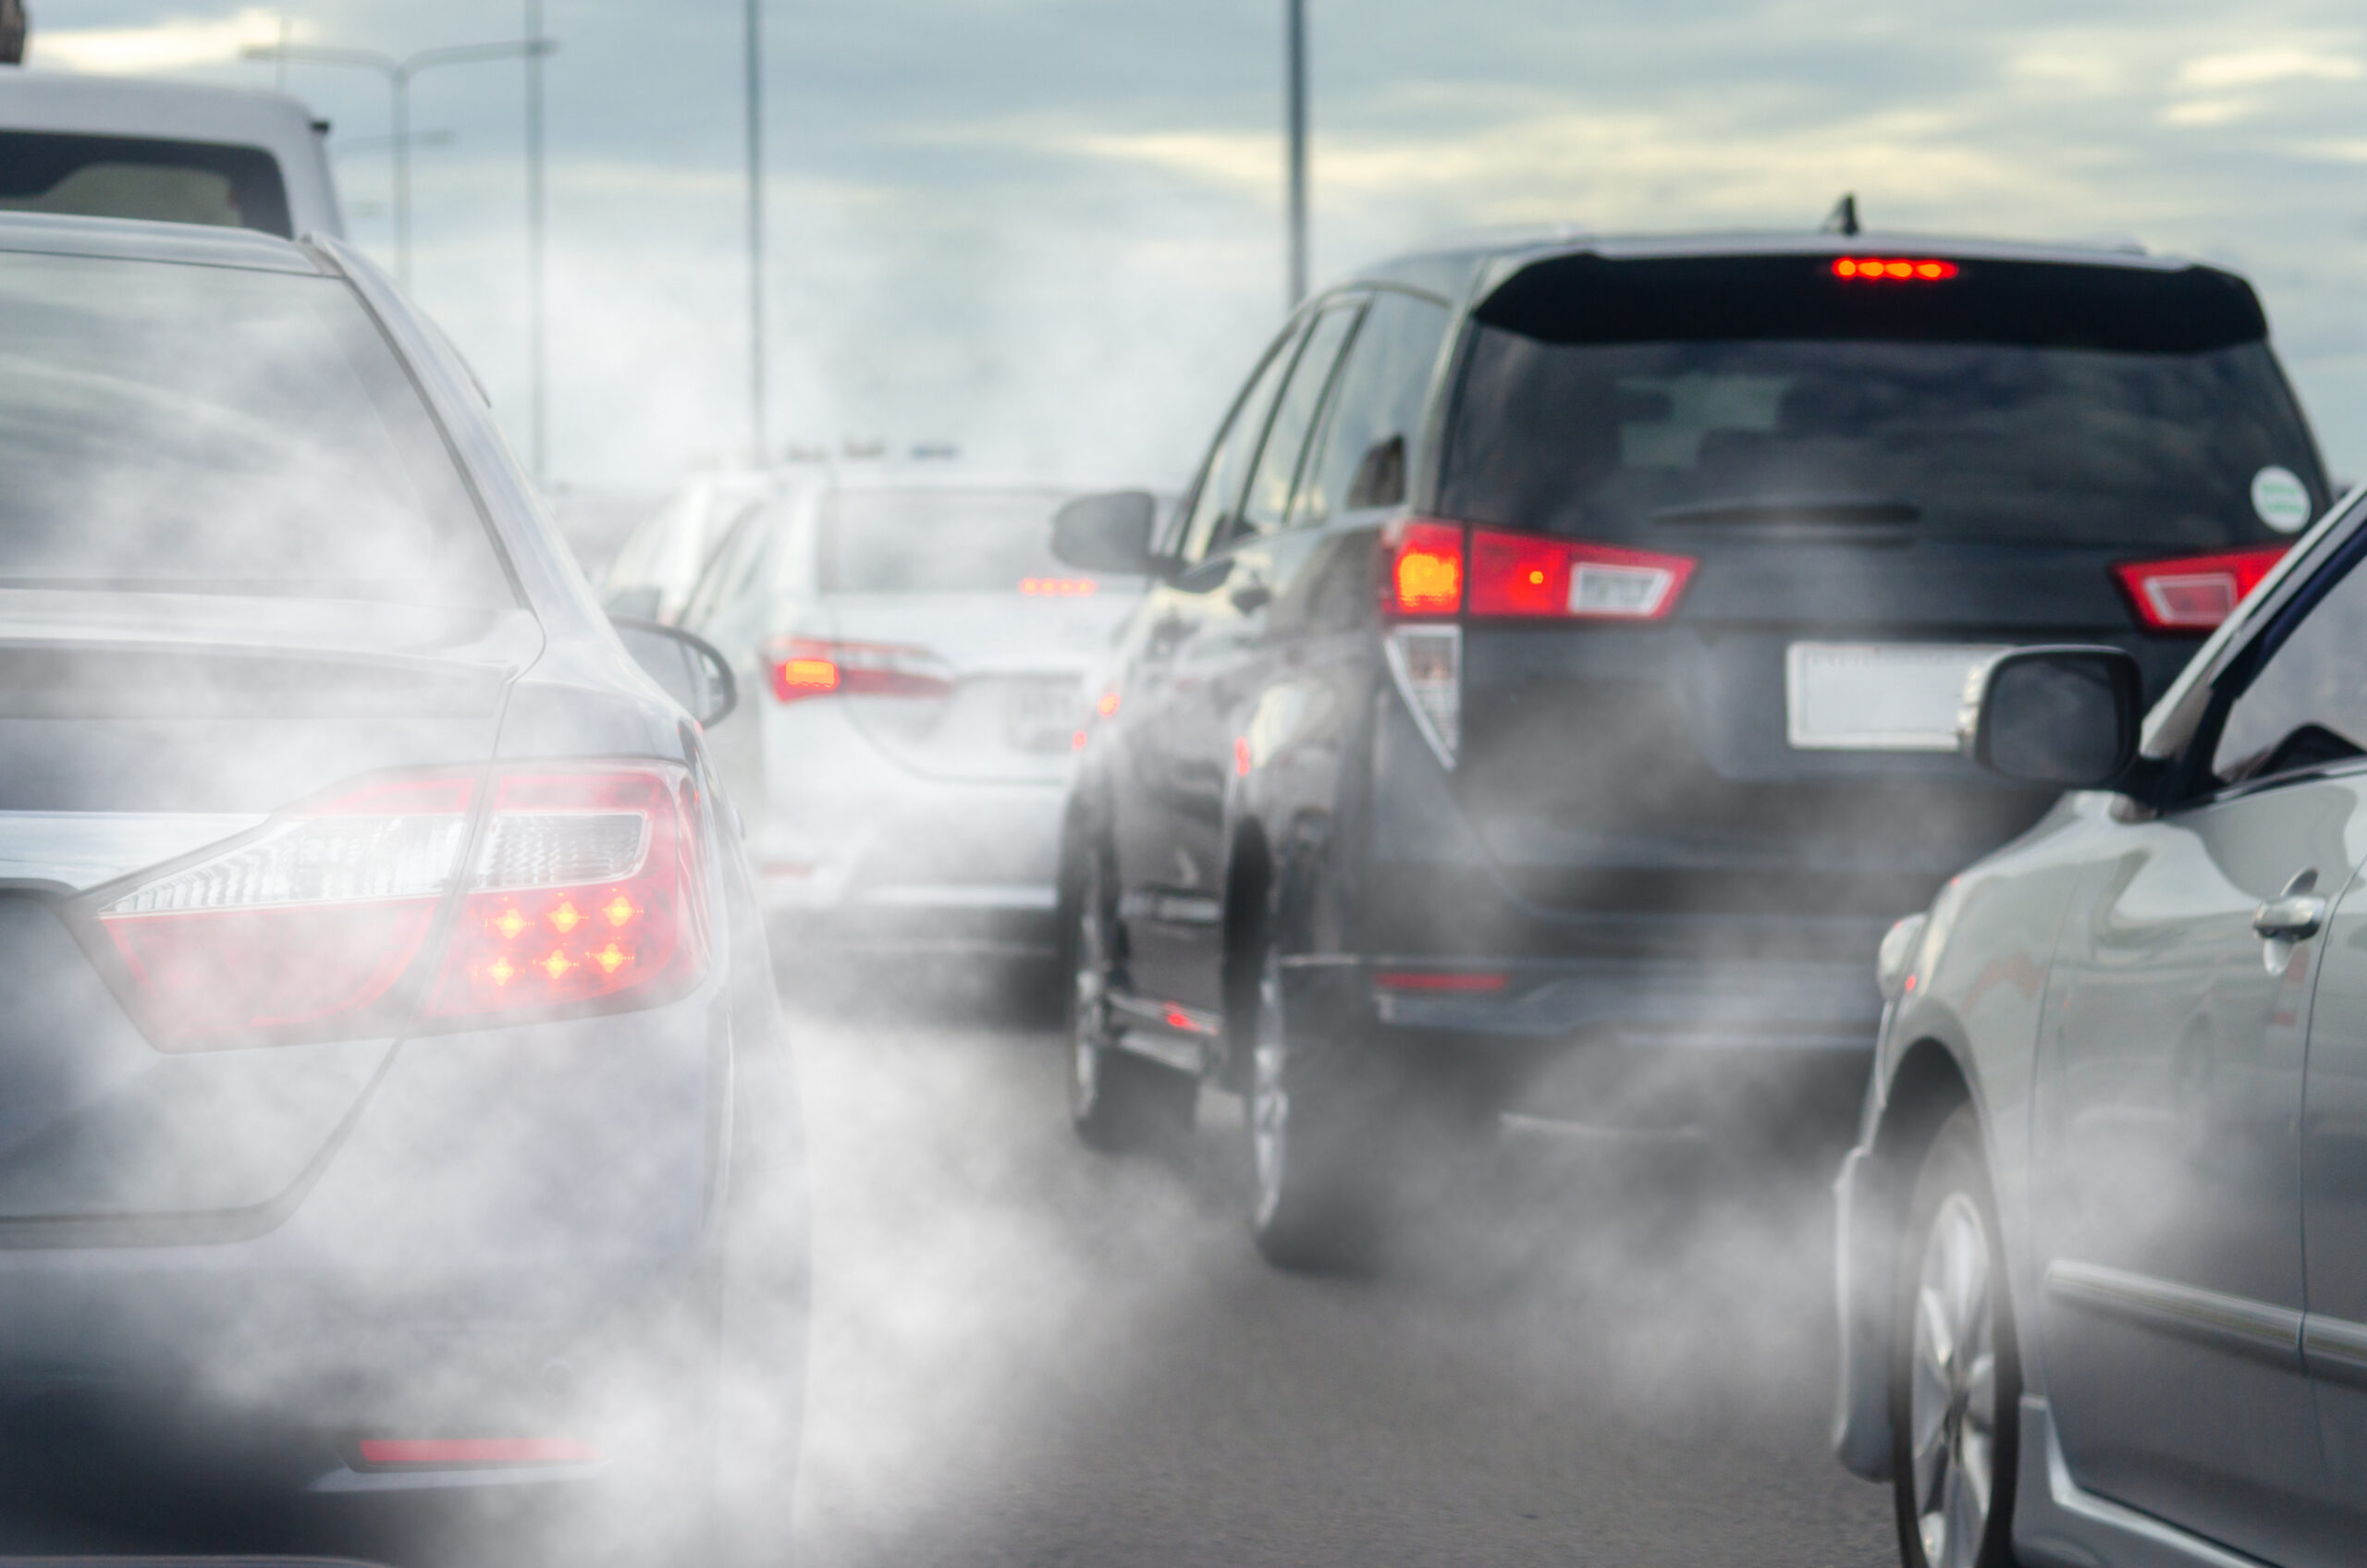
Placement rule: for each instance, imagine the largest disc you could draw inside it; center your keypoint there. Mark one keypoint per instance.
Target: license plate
(1877, 696)
(1042, 716)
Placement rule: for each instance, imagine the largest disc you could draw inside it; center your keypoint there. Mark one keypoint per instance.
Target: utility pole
(1294, 114)
(756, 420)
(538, 418)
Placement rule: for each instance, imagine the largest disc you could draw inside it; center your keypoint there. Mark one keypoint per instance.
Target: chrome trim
(2334, 1349)
(2235, 1323)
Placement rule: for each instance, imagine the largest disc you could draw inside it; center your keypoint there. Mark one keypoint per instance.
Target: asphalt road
(1601, 1350)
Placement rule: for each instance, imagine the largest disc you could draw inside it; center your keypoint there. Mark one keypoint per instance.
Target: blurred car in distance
(2103, 1235)
(654, 570)
(110, 146)
(396, 1115)
(1547, 696)
(914, 658)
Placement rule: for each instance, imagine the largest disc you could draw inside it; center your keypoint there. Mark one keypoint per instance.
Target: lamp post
(538, 442)
(1294, 119)
(755, 95)
(399, 73)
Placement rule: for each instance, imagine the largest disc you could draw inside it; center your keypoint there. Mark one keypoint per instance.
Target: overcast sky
(1050, 229)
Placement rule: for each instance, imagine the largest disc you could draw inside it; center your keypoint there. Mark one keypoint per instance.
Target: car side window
(2305, 704)
(1377, 400)
(1268, 496)
(1219, 496)
(730, 570)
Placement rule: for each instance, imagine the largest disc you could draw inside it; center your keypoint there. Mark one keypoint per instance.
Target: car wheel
(1318, 1146)
(1117, 1100)
(1955, 1380)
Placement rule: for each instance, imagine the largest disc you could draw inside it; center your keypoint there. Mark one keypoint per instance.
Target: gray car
(2103, 1237)
(396, 1116)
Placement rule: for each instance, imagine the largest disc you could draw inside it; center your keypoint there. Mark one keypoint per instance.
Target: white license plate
(1042, 716)
(1877, 696)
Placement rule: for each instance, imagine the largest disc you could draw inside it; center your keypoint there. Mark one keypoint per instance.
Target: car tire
(1118, 1101)
(1955, 1378)
(1320, 1146)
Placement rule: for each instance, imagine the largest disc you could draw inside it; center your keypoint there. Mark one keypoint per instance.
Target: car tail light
(1440, 980)
(1059, 587)
(814, 666)
(2194, 593)
(437, 1452)
(313, 927)
(1895, 269)
(1531, 574)
(1427, 662)
(1422, 567)
(587, 889)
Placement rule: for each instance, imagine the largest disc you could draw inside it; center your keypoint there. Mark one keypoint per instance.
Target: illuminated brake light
(1894, 269)
(477, 1451)
(584, 891)
(814, 666)
(1533, 575)
(1057, 587)
(1423, 567)
(2194, 593)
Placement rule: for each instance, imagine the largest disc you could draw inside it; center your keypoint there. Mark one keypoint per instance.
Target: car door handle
(2289, 918)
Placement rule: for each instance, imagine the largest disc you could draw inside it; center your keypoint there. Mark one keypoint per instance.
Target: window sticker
(2281, 499)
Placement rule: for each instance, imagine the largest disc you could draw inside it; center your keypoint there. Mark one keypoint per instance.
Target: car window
(126, 177)
(945, 541)
(1223, 475)
(2306, 705)
(1268, 496)
(210, 430)
(1359, 455)
(731, 570)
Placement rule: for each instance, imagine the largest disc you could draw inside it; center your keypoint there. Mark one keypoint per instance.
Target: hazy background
(1049, 229)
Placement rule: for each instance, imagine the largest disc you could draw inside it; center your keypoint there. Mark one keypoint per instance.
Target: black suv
(1549, 693)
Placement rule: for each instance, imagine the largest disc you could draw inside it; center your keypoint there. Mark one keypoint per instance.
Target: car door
(2168, 1195)
(1166, 896)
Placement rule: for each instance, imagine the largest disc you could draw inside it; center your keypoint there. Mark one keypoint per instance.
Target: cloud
(2259, 68)
(175, 45)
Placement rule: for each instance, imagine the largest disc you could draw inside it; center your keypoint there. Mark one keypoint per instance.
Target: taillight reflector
(814, 666)
(1440, 980)
(1532, 574)
(1895, 269)
(2194, 593)
(584, 893)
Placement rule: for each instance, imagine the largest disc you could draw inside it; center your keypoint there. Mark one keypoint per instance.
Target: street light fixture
(399, 73)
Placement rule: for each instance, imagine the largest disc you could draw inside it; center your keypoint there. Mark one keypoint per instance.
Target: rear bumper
(1636, 1042)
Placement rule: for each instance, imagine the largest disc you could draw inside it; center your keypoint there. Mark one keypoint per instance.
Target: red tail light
(2194, 593)
(814, 666)
(1895, 269)
(377, 1452)
(585, 885)
(1532, 574)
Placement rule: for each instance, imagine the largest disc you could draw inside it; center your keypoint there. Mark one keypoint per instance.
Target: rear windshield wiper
(1793, 511)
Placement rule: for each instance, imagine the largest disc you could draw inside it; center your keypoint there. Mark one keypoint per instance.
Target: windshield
(124, 176)
(944, 541)
(2031, 442)
(195, 429)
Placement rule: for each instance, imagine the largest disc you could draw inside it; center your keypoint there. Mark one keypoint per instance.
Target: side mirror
(686, 664)
(2064, 716)
(1107, 532)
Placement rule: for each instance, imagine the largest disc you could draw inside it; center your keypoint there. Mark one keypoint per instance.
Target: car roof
(1452, 263)
(69, 103)
(141, 240)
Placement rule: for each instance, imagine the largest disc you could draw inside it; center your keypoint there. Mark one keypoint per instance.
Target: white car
(915, 660)
(106, 147)
(655, 568)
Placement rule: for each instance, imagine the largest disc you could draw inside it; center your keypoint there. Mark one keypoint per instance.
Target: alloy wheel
(1951, 1395)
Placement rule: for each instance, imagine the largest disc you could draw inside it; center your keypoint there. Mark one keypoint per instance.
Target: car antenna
(1843, 219)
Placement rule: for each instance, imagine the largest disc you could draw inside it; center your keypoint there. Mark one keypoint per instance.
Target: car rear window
(124, 177)
(944, 541)
(198, 429)
(2014, 402)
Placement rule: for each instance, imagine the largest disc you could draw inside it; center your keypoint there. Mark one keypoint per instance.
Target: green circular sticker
(2281, 499)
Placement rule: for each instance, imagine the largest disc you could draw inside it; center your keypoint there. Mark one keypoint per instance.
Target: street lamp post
(1295, 116)
(538, 445)
(399, 73)
(755, 95)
